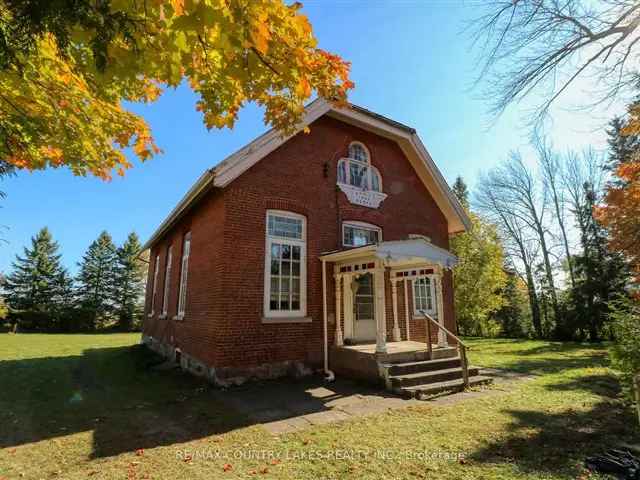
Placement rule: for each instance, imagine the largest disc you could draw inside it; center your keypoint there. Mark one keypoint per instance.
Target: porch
(375, 343)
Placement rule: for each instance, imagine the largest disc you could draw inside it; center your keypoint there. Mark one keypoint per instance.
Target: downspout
(329, 375)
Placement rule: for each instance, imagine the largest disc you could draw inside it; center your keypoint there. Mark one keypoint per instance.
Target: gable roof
(406, 137)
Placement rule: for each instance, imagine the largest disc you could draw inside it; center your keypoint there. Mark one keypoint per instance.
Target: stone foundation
(227, 376)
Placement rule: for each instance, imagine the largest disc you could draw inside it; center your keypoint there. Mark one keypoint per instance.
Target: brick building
(294, 252)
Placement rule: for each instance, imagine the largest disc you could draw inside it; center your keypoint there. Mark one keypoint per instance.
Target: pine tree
(34, 285)
(602, 274)
(461, 191)
(96, 289)
(130, 276)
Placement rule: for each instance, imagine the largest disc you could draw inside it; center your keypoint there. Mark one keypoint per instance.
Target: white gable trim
(239, 162)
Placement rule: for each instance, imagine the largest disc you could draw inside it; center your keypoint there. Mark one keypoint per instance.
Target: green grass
(80, 406)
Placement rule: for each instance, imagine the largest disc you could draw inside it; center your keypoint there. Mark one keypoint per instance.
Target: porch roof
(396, 252)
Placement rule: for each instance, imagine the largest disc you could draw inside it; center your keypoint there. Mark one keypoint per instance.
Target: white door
(363, 309)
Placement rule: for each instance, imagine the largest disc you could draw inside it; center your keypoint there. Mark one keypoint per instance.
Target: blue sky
(411, 61)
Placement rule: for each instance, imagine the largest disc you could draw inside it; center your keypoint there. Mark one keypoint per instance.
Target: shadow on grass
(601, 385)
(558, 442)
(111, 392)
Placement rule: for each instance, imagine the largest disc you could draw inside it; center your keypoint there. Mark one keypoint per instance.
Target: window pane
(273, 303)
(295, 252)
(375, 181)
(295, 304)
(286, 251)
(286, 227)
(357, 152)
(359, 236)
(286, 268)
(275, 266)
(295, 287)
(342, 172)
(275, 250)
(295, 269)
(358, 175)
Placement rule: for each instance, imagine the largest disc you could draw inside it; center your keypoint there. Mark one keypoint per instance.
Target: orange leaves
(260, 35)
(64, 112)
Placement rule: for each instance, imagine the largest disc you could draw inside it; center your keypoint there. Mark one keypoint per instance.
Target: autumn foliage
(621, 210)
(60, 105)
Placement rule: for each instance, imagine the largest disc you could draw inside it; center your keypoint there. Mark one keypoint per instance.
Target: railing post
(429, 346)
(465, 366)
(636, 388)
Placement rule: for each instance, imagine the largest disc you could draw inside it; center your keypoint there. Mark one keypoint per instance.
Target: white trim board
(239, 162)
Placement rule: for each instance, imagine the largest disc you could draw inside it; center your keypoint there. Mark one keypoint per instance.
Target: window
(357, 234)
(285, 265)
(184, 269)
(357, 171)
(167, 281)
(423, 295)
(155, 285)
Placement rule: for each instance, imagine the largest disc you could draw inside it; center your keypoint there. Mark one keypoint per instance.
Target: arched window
(356, 170)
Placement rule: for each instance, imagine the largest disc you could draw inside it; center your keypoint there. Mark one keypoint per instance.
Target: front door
(363, 306)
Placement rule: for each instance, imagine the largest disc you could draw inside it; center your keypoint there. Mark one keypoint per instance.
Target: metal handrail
(462, 347)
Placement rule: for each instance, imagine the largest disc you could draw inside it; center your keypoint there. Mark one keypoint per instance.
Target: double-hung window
(285, 265)
(423, 295)
(154, 291)
(358, 234)
(167, 281)
(184, 270)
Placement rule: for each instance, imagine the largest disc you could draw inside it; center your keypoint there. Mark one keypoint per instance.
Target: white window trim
(292, 315)
(432, 286)
(184, 275)
(154, 291)
(167, 282)
(370, 169)
(362, 225)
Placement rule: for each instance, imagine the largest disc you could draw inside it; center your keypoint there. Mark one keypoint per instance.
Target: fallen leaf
(227, 466)
(139, 452)
(264, 470)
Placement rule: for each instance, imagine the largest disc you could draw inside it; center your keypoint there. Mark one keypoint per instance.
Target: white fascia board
(239, 162)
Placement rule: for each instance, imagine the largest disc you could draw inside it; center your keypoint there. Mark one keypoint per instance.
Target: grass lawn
(87, 406)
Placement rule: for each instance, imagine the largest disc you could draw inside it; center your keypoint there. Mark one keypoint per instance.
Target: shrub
(625, 316)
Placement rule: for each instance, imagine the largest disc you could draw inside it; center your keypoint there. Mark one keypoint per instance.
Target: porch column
(380, 313)
(394, 301)
(442, 337)
(338, 340)
(406, 307)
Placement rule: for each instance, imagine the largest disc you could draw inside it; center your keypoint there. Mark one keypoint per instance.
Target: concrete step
(451, 386)
(396, 369)
(417, 355)
(427, 378)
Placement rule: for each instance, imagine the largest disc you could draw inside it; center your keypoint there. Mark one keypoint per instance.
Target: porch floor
(405, 346)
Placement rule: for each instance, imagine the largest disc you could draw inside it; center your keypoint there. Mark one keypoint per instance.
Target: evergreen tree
(130, 275)
(461, 191)
(96, 287)
(602, 274)
(34, 285)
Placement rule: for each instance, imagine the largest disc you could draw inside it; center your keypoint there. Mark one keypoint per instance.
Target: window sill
(179, 317)
(286, 319)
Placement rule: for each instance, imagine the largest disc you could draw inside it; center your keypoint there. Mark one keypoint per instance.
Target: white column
(406, 307)
(442, 337)
(394, 301)
(381, 321)
(338, 340)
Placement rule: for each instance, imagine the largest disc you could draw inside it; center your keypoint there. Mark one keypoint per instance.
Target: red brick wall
(223, 324)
